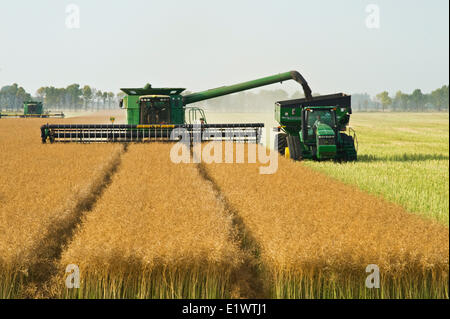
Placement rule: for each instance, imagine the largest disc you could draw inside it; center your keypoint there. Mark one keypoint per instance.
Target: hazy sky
(200, 44)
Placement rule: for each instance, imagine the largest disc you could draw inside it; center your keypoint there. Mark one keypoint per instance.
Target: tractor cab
(315, 116)
(319, 131)
(319, 121)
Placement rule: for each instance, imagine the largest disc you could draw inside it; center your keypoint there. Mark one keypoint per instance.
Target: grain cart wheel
(295, 150)
(280, 143)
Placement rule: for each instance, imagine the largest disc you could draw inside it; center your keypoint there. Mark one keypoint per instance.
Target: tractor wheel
(349, 150)
(280, 143)
(295, 149)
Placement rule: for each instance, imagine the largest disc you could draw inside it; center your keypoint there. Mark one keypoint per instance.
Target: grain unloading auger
(154, 113)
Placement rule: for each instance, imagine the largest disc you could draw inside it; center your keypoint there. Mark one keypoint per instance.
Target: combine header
(32, 109)
(154, 113)
(124, 133)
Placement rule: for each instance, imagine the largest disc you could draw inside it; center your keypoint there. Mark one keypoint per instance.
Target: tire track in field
(246, 280)
(45, 254)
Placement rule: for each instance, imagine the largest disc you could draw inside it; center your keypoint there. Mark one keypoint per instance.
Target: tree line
(417, 101)
(263, 101)
(73, 98)
(77, 98)
(12, 97)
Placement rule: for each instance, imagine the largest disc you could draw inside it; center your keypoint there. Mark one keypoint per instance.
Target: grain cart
(32, 109)
(316, 128)
(153, 113)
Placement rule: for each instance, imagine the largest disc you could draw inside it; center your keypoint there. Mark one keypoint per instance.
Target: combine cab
(159, 114)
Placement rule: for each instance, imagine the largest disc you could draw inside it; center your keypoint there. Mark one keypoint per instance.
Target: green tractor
(316, 128)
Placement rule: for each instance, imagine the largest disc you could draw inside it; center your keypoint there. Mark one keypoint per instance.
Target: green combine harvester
(316, 128)
(32, 109)
(154, 113)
